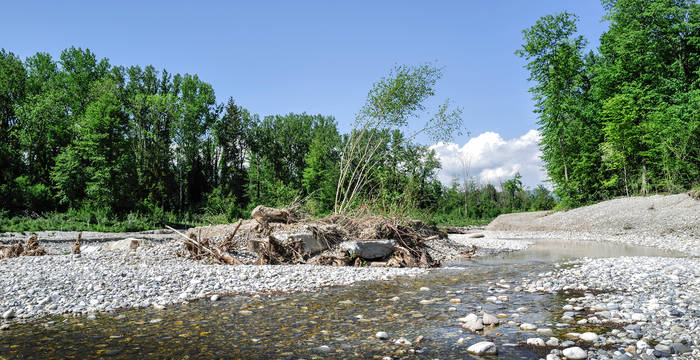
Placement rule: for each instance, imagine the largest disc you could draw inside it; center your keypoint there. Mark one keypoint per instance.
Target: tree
(390, 104)
(556, 68)
(13, 77)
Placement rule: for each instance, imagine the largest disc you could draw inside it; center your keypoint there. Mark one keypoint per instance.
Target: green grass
(85, 220)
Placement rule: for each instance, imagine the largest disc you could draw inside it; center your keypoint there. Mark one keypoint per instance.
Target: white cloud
(493, 159)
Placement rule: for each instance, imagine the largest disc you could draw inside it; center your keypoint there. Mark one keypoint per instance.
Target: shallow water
(344, 319)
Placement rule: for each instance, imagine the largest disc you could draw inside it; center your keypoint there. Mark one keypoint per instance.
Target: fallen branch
(197, 248)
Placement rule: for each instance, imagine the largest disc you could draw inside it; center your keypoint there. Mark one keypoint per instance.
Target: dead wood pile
(198, 248)
(285, 236)
(32, 248)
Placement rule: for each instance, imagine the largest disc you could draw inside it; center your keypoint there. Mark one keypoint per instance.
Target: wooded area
(622, 120)
(111, 143)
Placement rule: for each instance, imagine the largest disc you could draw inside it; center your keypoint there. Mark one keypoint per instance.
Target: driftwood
(11, 251)
(75, 248)
(272, 252)
(33, 248)
(227, 244)
(200, 248)
(471, 252)
(265, 215)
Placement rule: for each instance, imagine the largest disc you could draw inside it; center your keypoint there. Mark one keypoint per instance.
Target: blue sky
(322, 57)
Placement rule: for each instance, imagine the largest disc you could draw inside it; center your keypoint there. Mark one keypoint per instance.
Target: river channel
(329, 323)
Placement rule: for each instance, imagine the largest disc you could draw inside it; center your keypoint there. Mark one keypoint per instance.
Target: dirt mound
(651, 215)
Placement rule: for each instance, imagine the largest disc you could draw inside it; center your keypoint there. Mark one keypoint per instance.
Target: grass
(84, 220)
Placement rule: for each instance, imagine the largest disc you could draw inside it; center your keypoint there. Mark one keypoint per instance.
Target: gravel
(654, 299)
(670, 222)
(446, 250)
(151, 276)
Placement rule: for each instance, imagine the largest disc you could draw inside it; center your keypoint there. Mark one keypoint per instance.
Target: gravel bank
(654, 300)
(150, 276)
(449, 249)
(670, 222)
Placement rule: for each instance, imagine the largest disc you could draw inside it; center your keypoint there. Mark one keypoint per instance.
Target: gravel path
(655, 300)
(150, 276)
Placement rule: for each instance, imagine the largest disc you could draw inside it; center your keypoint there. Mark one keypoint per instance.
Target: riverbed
(418, 313)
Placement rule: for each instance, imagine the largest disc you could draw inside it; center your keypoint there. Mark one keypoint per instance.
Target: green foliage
(85, 145)
(623, 121)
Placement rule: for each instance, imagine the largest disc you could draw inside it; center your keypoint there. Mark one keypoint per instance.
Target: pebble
(483, 348)
(535, 342)
(381, 335)
(151, 275)
(528, 326)
(575, 353)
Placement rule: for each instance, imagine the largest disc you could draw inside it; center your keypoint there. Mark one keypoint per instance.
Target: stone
(381, 335)
(679, 348)
(575, 353)
(312, 245)
(489, 319)
(475, 325)
(535, 342)
(214, 297)
(369, 249)
(544, 331)
(641, 345)
(588, 336)
(456, 301)
(554, 342)
(483, 348)
(528, 326)
(125, 244)
(552, 357)
(9, 314)
(402, 341)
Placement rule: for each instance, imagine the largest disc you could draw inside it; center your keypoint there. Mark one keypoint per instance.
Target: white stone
(575, 353)
(381, 335)
(528, 326)
(483, 348)
(535, 342)
(588, 336)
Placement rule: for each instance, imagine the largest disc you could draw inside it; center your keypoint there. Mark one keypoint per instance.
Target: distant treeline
(78, 133)
(624, 119)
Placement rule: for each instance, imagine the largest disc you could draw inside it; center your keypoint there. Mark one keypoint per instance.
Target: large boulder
(369, 249)
(125, 244)
(312, 245)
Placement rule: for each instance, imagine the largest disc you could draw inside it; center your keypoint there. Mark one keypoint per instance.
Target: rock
(402, 341)
(544, 331)
(4, 327)
(588, 336)
(679, 348)
(424, 288)
(369, 249)
(535, 342)
(552, 357)
(528, 326)
(661, 354)
(521, 309)
(475, 325)
(323, 349)
(312, 245)
(489, 319)
(214, 297)
(476, 236)
(641, 345)
(575, 353)
(456, 301)
(554, 342)
(483, 348)
(381, 335)
(9, 314)
(125, 244)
